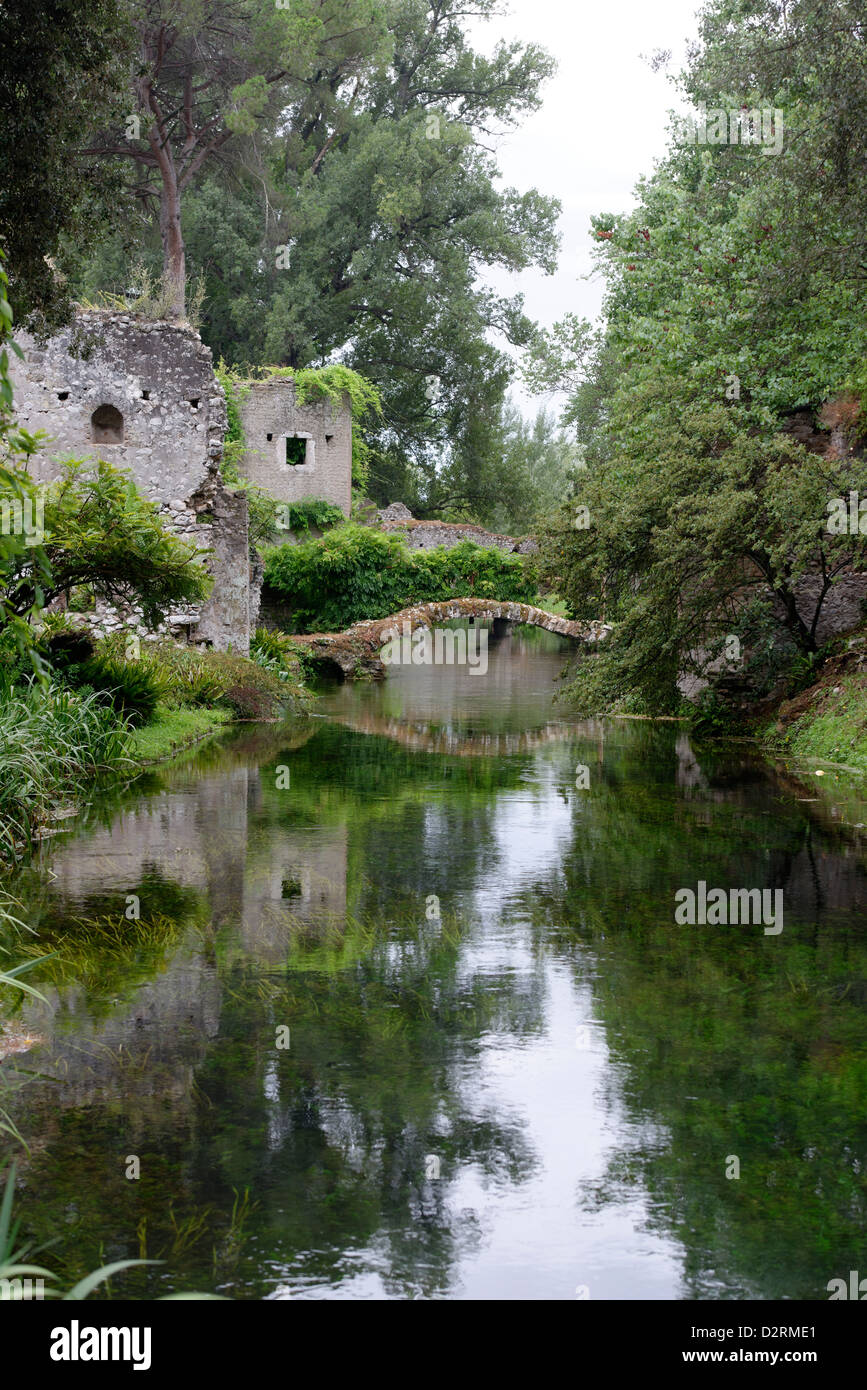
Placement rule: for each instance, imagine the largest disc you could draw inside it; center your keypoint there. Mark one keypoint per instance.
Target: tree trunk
(174, 256)
(804, 637)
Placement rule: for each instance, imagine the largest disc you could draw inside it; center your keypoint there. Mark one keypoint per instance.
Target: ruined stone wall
(269, 416)
(427, 535)
(143, 396)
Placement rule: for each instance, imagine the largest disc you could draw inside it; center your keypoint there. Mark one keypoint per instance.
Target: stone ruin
(144, 397)
(295, 451)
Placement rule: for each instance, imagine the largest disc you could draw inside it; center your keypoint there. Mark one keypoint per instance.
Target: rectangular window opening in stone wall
(300, 450)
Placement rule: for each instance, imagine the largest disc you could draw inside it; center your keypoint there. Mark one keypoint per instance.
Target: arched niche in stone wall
(106, 425)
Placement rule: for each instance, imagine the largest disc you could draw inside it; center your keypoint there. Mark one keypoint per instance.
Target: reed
(53, 743)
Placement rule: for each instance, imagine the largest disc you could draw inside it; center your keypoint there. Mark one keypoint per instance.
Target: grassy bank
(172, 730)
(827, 723)
(106, 714)
(834, 730)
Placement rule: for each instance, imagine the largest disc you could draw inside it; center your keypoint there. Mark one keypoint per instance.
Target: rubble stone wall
(144, 397)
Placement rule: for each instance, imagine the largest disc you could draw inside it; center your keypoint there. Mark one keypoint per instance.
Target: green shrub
(217, 678)
(175, 676)
(276, 652)
(189, 676)
(253, 699)
(53, 742)
(14, 664)
(133, 688)
(103, 536)
(63, 644)
(193, 684)
(82, 599)
(355, 573)
(309, 513)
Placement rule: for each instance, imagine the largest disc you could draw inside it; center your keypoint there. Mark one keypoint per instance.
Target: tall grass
(52, 743)
(10, 978)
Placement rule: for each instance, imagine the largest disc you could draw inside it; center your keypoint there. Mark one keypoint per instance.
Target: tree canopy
(62, 69)
(733, 301)
(333, 184)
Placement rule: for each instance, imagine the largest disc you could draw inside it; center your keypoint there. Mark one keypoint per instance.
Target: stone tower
(293, 450)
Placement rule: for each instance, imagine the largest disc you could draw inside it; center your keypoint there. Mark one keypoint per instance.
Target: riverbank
(173, 730)
(110, 717)
(827, 722)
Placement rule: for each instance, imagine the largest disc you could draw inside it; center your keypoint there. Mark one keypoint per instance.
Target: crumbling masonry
(144, 397)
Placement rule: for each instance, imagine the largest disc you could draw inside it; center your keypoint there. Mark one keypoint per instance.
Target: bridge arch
(357, 650)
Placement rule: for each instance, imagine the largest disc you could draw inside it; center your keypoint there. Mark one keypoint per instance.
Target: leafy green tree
(101, 533)
(519, 480)
(62, 68)
(734, 301)
(216, 72)
(351, 216)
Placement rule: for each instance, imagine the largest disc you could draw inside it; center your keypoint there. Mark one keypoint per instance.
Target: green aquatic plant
(15, 1265)
(12, 979)
(107, 956)
(53, 744)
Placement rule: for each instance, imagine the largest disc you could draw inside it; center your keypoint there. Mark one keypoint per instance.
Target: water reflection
(507, 1074)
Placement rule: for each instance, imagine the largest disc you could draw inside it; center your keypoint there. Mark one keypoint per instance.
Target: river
(392, 1003)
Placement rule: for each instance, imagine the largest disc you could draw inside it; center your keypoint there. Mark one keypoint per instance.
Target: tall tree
(208, 72)
(359, 223)
(62, 67)
(734, 322)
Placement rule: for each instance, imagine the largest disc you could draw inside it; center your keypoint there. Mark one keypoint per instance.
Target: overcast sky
(603, 122)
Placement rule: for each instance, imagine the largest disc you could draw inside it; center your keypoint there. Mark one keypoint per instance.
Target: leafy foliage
(100, 531)
(312, 513)
(14, 1259)
(130, 688)
(52, 743)
(276, 652)
(355, 573)
(734, 300)
(178, 677)
(347, 207)
(64, 66)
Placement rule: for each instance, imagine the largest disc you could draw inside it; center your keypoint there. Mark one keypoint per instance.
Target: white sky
(602, 124)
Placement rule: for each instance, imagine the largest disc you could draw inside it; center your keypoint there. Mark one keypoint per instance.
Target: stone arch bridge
(356, 652)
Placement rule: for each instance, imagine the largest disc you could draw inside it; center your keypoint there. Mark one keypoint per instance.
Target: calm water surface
(405, 1013)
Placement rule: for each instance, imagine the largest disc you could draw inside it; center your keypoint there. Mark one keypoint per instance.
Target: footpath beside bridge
(356, 652)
